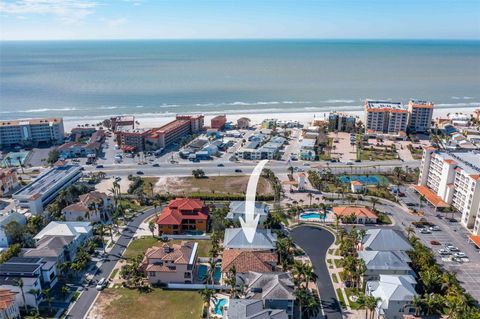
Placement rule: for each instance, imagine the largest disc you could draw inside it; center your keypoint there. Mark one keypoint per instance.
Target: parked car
(99, 166)
(452, 220)
(453, 248)
(425, 231)
(101, 284)
(434, 228)
(156, 165)
(238, 170)
(220, 165)
(460, 255)
(434, 242)
(411, 204)
(139, 173)
(444, 252)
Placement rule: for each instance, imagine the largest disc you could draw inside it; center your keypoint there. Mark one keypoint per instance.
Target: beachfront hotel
(31, 132)
(452, 178)
(385, 117)
(420, 116)
(158, 138)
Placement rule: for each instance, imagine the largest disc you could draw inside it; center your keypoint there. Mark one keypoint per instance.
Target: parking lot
(467, 272)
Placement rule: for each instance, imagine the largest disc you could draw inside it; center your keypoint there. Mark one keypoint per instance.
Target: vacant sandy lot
(212, 184)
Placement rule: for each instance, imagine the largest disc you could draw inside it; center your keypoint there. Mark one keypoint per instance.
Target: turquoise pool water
(12, 159)
(202, 273)
(219, 306)
(311, 215)
(367, 180)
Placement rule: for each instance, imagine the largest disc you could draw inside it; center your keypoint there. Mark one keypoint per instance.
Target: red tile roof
(183, 208)
(178, 255)
(475, 240)
(249, 260)
(7, 298)
(433, 198)
(351, 210)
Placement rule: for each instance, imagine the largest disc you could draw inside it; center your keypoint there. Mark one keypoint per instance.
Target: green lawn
(122, 303)
(139, 246)
(334, 278)
(338, 263)
(352, 292)
(377, 155)
(340, 298)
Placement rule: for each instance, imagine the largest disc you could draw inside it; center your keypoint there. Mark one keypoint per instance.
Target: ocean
(82, 80)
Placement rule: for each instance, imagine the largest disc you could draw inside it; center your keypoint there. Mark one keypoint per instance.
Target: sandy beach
(256, 118)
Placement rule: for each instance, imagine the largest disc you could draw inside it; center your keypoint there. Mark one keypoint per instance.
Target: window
(151, 273)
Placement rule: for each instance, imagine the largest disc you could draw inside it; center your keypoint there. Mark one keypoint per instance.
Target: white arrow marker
(249, 225)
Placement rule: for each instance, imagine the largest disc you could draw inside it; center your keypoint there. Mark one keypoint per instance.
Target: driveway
(87, 298)
(315, 242)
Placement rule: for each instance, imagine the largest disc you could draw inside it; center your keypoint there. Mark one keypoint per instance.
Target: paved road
(81, 307)
(228, 168)
(315, 242)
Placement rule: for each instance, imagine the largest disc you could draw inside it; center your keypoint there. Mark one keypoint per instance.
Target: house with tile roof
(93, 207)
(251, 309)
(249, 260)
(8, 305)
(183, 215)
(264, 239)
(396, 295)
(275, 289)
(384, 240)
(170, 263)
(360, 215)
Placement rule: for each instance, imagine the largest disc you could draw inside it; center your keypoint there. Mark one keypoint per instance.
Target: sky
(239, 19)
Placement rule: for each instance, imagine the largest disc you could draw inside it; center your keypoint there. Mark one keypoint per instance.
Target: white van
(101, 284)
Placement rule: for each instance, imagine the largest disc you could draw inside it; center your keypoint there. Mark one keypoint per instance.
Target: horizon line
(243, 39)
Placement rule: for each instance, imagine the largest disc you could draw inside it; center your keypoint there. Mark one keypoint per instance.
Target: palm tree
(35, 293)
(312, 307)
(409, 231)
(151, 226)
(374, 201)
(19, 159)
(206, 294)
(310, 197)
(371, 304)
(417, 303)
(302, 296)
(48, 298)
(19, 283)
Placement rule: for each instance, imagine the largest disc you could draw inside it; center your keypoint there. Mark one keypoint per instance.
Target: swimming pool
(311, 215)
(14, 158)
(202, 273)
(219, 306)
(367, 180)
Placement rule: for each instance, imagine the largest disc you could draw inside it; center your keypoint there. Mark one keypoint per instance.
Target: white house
(237, 210)
(396, 294)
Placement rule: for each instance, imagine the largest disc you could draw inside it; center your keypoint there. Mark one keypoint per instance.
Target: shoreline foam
(150, 120)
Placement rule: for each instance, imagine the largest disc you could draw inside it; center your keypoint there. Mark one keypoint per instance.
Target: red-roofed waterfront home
(183, 214)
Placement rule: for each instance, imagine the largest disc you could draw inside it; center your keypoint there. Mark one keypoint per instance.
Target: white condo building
(43, 190)
(31, 132)
(452, 178)
(420, 118)
(385, 117)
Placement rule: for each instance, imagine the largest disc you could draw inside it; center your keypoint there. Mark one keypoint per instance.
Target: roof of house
(384, 239)
(252, 309)
(92, 197)
(345, 211)
(173, 214)
(249, 260)
(392, 288)
(77, 207)
(57, 228)
(235, 238)
(50, 247)
(356, 183)
(9, 216)
(384, 260)
(278, 285)
(7, 298)
(180, 254)
(238, 207)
